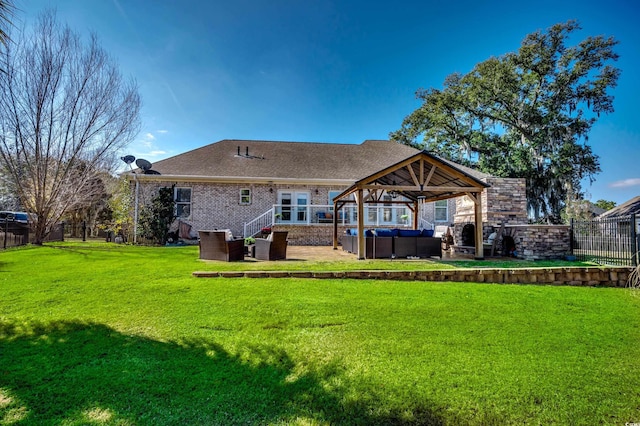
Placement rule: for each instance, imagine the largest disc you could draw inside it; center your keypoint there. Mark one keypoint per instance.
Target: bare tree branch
(65, 112)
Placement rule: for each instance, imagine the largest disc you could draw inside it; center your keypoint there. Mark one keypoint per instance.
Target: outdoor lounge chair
(375, 247)
(273, 247)
(214, 245)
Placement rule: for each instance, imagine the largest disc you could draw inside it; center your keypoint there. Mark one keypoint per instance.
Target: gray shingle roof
(285, 160)
(628, 207)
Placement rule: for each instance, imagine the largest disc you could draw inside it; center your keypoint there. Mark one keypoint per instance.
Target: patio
(327, 253)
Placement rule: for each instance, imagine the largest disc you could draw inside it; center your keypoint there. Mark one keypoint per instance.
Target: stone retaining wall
(592, 276)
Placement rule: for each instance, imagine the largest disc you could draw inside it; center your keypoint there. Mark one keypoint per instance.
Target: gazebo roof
(422, 176)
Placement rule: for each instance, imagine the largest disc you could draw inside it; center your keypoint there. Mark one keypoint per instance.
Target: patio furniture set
(221, 245)
(379, 244)
(394, 243)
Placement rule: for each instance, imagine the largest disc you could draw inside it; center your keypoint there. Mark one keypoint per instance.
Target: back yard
(96, 333)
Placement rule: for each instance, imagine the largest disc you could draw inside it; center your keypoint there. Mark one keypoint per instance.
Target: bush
(156, 218)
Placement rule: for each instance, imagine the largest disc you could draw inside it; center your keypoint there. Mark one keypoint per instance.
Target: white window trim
(436, 208)
(243, 195)
(189, 203)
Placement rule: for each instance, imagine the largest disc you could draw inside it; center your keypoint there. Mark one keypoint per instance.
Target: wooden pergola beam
(459, 189)
(413, 175)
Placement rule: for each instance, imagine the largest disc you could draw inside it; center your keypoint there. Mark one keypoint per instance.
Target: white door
(293, 206)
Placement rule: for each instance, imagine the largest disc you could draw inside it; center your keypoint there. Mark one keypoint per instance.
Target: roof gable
(628, 207)
(284, 160)
(421, 176)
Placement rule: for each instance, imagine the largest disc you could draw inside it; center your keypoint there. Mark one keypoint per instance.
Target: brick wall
(428, 212)
(317, 235)
(217, 206)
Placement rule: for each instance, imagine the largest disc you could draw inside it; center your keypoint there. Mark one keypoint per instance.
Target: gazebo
(423, 177)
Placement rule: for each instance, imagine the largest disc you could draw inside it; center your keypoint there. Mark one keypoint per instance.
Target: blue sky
(333, 71)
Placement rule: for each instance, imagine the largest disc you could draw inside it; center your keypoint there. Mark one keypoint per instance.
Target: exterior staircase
(254, 227)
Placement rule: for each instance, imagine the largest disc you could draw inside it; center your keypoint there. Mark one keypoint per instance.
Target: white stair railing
(253, 227)
(423, 223)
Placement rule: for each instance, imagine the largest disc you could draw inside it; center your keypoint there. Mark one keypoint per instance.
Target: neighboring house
(245, 185)
(627, 208)
(595, 211)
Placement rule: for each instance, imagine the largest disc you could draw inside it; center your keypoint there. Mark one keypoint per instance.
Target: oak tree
(524, 114)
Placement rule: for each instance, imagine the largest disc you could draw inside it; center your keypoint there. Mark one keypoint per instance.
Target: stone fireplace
(505, 202)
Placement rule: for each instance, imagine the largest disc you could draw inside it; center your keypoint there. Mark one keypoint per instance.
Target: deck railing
(314, 214)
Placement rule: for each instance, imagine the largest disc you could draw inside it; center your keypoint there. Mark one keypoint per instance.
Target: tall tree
(65, 111)
(6, 10)
(605, 204)
(525, 114)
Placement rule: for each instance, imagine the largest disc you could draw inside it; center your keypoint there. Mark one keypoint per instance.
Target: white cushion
(229, 235)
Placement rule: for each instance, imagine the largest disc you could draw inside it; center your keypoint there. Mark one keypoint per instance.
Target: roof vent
(246, 154)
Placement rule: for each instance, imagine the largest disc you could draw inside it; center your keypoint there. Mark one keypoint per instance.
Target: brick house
(246, 185)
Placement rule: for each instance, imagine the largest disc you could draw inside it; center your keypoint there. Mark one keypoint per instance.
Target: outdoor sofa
(390, 243)
(376, 247)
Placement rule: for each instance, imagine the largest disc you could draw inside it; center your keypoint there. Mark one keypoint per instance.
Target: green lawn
(111, 334)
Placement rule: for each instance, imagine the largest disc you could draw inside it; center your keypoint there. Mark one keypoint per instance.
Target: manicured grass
(108, 334)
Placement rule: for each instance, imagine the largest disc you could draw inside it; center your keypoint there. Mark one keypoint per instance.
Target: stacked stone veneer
(505, 202)
(610, 277)
(537, 242)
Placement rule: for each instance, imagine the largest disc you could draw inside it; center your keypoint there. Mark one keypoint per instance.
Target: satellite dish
(128, 159)
(143, 164)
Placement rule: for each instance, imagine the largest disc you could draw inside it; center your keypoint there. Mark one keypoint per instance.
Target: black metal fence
(608, 241)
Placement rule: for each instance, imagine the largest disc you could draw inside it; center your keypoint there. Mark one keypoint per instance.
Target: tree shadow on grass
(88, 373)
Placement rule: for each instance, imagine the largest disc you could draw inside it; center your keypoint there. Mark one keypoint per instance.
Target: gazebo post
(335, 225)
(478, 215)
(361, 240)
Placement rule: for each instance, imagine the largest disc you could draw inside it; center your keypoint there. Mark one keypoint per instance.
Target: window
(442, 211)
(245, 196)
(182, 198)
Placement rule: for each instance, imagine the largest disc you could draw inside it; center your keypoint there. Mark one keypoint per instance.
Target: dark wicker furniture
(272, 249)
(381, 247)
(214, 246)
(375, 247)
